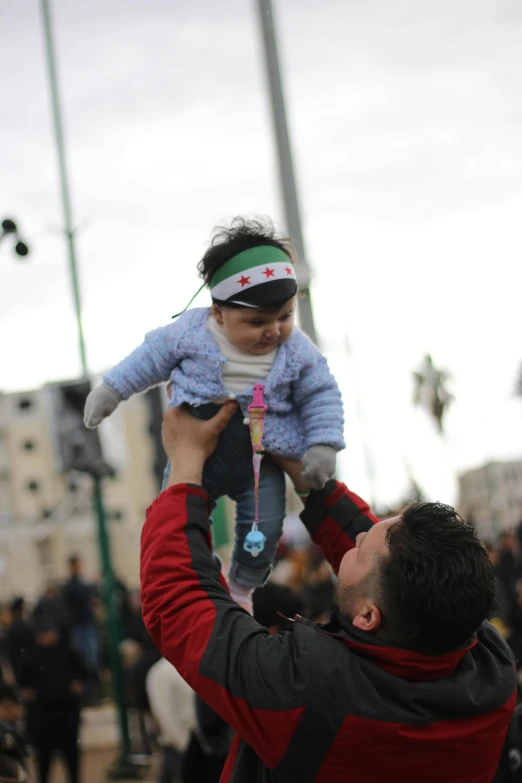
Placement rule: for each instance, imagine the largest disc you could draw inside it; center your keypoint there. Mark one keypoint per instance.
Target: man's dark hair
(437, 584)
(8, 693)
(242, 234)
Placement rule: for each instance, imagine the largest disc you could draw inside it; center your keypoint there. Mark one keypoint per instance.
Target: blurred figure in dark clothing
(508, 568)
(78, 599)
(52, 679)
(318, 592)
(208, 747)
(503, 606)
(273, 600)
(13, 751)
(51, 604)
(19, 639)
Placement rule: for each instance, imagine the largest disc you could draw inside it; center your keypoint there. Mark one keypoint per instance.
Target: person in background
(318, 591)
(52, 679)
(51, 604)
(172, 705)
(273, 603)
(78, 598)
(13, 750)
(19, 638)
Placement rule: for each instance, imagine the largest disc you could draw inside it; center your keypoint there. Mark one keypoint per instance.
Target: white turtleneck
(241, 370)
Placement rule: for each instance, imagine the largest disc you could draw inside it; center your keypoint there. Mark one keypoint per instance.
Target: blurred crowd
(505, 555)
(54, 659)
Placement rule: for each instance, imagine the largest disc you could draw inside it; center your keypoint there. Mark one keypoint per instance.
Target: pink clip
(259, 398)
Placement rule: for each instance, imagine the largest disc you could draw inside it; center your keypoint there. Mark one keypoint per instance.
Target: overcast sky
(406, 124)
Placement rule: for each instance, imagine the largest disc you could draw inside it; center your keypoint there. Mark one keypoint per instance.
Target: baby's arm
(148, 365)
(318, 399)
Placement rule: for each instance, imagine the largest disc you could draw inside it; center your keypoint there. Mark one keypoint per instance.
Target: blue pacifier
(254, 542)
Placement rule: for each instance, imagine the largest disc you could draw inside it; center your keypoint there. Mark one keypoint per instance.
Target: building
(491, 497)
(46, 516)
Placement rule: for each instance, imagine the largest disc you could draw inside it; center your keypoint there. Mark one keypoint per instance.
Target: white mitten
(101, 402)
(319, 465)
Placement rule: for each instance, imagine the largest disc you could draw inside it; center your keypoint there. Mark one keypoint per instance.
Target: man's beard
(348, 596)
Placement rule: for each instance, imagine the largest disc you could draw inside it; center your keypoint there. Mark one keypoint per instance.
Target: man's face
(357, 578)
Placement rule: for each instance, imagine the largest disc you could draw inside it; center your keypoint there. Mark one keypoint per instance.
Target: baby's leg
(247, 572)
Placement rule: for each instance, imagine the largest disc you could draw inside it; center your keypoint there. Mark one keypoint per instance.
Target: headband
(262, 276)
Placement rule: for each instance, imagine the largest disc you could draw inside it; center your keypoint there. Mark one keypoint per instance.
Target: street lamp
(124, 769)
(10, 229)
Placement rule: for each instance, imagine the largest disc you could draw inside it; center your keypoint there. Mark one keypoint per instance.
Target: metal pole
(123, 768)
(286, 166)
(66, 200)
(113, 625)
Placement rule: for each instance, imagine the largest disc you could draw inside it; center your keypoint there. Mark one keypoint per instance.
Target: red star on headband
(288, 270)
(269, 273)
(244, 281)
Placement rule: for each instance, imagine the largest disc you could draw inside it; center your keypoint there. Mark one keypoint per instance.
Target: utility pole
(124, 768)
(286, 166)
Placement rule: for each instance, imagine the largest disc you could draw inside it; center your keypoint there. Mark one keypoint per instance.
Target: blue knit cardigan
(303, 399)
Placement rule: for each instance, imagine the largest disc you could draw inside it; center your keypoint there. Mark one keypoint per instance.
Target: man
(52, 680)
(19, 639)
(78, 600)
(407, 682)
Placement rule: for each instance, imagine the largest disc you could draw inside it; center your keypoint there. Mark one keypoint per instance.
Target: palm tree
(431, 392)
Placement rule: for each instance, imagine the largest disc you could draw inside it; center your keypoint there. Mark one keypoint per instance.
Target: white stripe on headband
(256, 275)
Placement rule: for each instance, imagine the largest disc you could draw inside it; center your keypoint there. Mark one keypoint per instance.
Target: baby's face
(254, 330)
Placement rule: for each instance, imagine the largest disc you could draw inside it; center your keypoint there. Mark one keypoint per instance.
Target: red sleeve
(334, 517)
(257, 683)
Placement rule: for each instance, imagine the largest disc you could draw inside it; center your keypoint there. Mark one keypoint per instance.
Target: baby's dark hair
(242, 234)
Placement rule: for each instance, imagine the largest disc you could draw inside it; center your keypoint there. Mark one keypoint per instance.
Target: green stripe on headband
(256, 256)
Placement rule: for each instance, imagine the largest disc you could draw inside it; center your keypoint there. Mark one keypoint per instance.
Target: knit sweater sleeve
(318, 399)
(149, 364)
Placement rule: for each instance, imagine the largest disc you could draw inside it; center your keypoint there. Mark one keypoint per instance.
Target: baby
(247, 337)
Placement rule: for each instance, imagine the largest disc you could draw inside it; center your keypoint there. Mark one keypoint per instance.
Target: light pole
(286, 165)
(124, 768)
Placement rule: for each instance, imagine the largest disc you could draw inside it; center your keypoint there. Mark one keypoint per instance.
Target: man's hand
(189, 441)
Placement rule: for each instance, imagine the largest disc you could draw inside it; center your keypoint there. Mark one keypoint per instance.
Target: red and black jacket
(318, 703)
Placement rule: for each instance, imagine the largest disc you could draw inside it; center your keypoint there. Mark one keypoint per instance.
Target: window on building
(29, 445)
(25, 403)
(44, 552)
(116, 515)
(33, 486)
(46, 513)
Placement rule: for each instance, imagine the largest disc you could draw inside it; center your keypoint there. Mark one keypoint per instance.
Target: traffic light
(77, 448)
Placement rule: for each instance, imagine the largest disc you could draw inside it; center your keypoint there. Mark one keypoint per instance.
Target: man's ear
(217, 312)
(369, 618)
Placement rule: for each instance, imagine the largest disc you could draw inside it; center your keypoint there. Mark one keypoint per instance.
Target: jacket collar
(399, 662)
